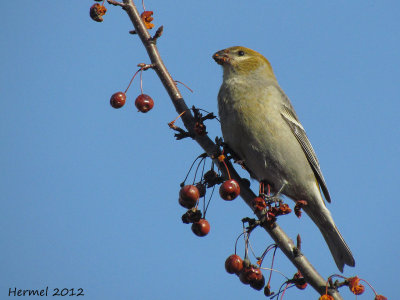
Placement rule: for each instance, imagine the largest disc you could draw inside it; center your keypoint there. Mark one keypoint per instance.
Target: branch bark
(279, 236)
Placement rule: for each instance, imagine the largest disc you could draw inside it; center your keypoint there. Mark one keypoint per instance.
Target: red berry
(188, 196)
(229, 190)
(234, 264)
(255, 274)
(250, 274)
(201, 228)
(118, 99)
(258, 203)
(300, 282)
(144, 103)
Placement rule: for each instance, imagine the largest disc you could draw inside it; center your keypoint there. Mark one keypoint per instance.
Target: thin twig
(116, 3)
(158, 33)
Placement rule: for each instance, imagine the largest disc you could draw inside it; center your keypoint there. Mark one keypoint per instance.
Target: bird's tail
(338, 247)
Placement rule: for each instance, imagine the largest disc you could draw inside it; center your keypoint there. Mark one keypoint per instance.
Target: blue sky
(89, 193)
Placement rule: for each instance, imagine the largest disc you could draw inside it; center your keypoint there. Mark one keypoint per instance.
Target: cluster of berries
(189, 196)
(97, 11)
(248, 273)
(143, 102)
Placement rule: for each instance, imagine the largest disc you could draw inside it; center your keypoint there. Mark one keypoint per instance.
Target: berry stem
(277, 271)
(191, 167)
(237, 239)
(208, 202)
(184, 85)
(141, 81)
(251, 249)
(269, 248)
(227, 169)
(197, 168)
(284, 290)
(133, 77)
(246, 243)
(272, 265)
(369, 286)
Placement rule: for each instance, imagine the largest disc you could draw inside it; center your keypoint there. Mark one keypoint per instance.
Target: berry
(147, 18)
(267, 290)
(211, 178)
(191, 216)
(258, 284)
(229, 190)
(188, 196)
(258, 203)
(243, 278)
(97, 12)
(210, 175)
(300, 282)
(201, 228)
(118, 99)
(252, 275)
(234, 264)
(144, 103)
(202, 188)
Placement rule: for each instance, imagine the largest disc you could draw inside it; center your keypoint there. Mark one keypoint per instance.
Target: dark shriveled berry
(97, 12)
(210, 175)
(191, 216)
(258, 284)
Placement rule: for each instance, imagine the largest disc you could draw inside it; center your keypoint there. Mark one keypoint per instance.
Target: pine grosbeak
(261, 127)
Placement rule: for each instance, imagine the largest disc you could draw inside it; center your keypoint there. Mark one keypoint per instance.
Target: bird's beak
(222, 57)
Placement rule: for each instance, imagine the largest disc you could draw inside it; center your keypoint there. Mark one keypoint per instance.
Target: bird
(261, 127)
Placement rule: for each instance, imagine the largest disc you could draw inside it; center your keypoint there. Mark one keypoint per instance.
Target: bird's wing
(291, 119)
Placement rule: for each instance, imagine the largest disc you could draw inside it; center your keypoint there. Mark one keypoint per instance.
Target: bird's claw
(271, 199)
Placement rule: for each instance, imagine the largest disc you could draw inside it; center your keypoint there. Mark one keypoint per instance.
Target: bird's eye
(241, 53)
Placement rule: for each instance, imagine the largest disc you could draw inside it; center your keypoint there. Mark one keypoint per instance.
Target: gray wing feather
(291, 119)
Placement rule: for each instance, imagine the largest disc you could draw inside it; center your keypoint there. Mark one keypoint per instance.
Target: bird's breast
(254, 129)
(248, 111)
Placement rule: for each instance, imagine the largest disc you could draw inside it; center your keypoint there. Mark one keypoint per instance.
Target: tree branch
(275, 231)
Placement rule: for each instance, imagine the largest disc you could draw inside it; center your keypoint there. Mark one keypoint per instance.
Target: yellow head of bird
(242, 61)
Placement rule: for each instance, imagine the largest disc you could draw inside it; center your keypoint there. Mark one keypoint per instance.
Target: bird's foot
(272, 199)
